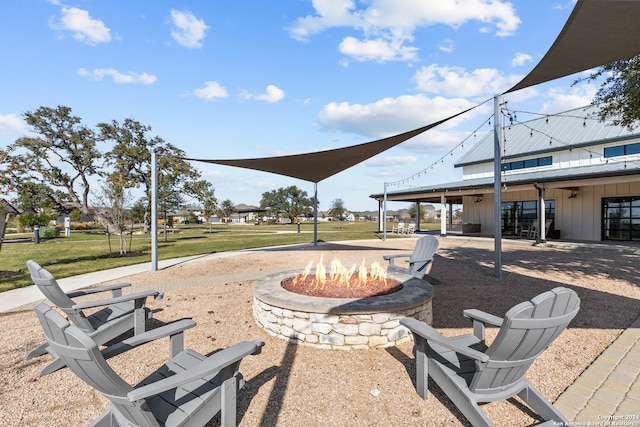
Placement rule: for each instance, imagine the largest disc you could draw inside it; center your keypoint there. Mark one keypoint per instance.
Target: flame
(339, 275)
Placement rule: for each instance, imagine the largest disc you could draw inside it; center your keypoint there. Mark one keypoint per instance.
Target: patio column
(443, 215)
(418, 216)
(541, 237)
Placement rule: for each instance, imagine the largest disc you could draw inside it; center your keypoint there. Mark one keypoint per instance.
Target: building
(585, 173)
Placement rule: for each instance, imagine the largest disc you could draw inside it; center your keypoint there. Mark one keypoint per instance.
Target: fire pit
(356, 322)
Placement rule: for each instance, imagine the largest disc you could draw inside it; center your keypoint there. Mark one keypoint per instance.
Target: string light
(441, 159)
(566, 144)
(512, 116)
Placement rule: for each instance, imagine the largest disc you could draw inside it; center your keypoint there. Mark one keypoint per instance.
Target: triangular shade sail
(597, 33)
(319, 165)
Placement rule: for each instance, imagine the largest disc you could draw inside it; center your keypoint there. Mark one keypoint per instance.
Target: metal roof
(601, 170)
(580, 127)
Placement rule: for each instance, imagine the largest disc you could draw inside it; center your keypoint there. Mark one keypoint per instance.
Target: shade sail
(319, 165)
(597, 33)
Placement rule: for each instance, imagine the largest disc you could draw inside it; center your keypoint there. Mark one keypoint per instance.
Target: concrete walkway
(607, 393)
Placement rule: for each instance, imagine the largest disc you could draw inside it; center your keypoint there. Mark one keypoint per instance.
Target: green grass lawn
(85, 252)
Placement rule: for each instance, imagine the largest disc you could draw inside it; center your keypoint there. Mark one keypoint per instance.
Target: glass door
(621, 218)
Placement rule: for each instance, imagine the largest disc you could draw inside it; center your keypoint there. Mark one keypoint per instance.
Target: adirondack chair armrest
(392, 258)
(169, 330)
(115, 287)
(209, 366)
(480, 319)
(430, 334)
(129, 297)
(481, 316)
(421, 261)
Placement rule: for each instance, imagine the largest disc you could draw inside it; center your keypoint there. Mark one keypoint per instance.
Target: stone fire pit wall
(341, 323)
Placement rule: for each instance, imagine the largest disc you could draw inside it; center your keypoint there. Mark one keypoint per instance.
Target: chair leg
(228, 404)
(422, 366)
(140, 316)
(106, 419)
(462, 399)
(542, 406)
(52, 366)
(38, 351)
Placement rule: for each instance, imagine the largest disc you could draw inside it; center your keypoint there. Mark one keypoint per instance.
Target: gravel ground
(290, 385)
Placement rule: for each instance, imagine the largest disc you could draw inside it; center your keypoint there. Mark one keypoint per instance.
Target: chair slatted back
(528, 329)
(425, 249)
(48, 285)
(82, 355)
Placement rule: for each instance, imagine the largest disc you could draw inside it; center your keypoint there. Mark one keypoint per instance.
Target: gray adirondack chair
(119, 314)
(188, 390)
(470, 372)
(420, 261)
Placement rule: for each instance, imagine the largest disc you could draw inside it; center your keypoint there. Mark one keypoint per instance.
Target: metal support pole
(384, 214)
(315, 214)
(154, 210)
(497, 186)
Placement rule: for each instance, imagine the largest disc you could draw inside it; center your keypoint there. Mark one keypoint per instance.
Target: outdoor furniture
(526, 231)
(470, 372)
(398, 229)
(119, 314)
(411, 229)
(420, 261)
(547, 226)
(188, 390)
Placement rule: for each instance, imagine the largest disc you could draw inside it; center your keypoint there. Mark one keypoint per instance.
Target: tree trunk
(3, 227)
(147, 222)
(123, 243)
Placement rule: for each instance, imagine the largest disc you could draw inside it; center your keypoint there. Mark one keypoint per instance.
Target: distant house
(8, 208)
(584, 172)
(246, 213)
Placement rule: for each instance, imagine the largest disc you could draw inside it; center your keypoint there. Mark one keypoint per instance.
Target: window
(545, 161)
(530, 163)
(516, 215)
(622, 150)
(633, 148)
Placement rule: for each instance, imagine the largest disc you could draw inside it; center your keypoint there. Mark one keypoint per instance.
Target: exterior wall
(579, 218)
(562, 159)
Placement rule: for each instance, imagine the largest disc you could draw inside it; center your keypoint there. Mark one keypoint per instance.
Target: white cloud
(447, 45)
(377, 50)
(211, 90)
(388, 161)
(457, 81)
(85, 29)
(12, 124)
(188, 30)
(520, 59)
(118, 77)
(387, 25)
(272, 95)
(391, 115)
(562, 100)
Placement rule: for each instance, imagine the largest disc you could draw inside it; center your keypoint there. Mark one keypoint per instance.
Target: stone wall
(339, 331)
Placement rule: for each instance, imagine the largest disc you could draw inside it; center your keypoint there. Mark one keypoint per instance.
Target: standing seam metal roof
(580, 127)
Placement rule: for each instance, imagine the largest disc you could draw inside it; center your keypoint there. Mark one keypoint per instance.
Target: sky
(253, 78)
